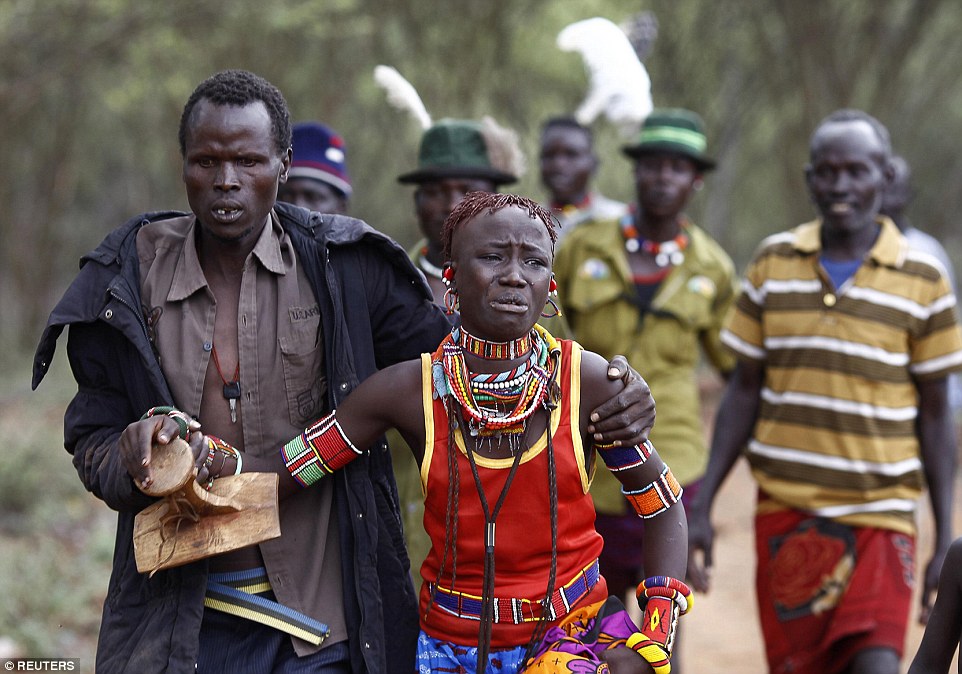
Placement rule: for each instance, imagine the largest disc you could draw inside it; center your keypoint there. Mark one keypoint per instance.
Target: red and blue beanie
(319, 153)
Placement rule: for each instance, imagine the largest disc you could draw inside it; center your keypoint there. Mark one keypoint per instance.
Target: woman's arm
(390, 398)
(654, 495)
(667, 530)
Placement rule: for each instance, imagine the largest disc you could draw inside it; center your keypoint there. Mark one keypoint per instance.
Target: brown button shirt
(283, 388)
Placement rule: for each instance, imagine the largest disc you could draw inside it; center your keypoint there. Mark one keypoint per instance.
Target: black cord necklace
(232, 389)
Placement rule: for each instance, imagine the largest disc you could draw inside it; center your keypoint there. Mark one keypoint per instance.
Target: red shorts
(827, 591)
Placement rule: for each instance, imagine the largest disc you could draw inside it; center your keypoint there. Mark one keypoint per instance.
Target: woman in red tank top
(499, 421)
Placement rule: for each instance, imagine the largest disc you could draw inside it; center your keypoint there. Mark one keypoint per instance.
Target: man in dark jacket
(255, 317)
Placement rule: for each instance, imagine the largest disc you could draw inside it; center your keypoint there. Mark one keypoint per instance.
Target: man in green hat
(456, 156)
(653, 286)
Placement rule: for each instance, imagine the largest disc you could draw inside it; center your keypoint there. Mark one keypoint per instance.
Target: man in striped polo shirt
(845, 337)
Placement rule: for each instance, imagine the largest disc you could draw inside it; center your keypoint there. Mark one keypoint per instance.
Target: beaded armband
(318, 451)
(657, 497)
(182, 419)
(622, 458)
(665, 599)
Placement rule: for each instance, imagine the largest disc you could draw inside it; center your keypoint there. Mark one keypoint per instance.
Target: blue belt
(517, 611)
(240, 593)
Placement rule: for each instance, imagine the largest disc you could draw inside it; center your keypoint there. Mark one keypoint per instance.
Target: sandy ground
(722, 633)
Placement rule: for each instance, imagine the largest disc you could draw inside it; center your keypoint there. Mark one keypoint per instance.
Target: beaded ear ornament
(552, 290)
(450, 295)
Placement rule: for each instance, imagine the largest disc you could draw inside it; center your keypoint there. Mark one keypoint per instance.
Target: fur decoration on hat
(504, 148)
(454, 148)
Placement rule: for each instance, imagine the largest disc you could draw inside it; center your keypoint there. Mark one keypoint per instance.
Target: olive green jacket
(665, 345)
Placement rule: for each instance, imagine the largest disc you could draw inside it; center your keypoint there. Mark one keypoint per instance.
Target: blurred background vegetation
(90, 98)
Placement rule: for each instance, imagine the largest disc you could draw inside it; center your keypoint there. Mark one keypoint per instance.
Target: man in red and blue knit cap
(318, 178)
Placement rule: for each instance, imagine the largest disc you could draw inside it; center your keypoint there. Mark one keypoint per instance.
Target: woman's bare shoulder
(596, 388)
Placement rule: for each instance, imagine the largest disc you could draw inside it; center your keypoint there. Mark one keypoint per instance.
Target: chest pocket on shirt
(692, 302)
(302, 357)
(594, 285)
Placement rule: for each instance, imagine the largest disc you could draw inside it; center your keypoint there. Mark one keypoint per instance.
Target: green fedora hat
(456, 148)
(672, 130)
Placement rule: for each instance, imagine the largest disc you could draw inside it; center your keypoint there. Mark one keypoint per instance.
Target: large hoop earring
(554, 305)
(450, 301)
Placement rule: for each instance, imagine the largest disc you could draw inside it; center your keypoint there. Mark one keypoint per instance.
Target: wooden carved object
(189, 523)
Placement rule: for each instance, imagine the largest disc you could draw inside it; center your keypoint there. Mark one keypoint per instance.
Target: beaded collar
(527, 394)
(427, 267)
(667, 252)
(482, 348)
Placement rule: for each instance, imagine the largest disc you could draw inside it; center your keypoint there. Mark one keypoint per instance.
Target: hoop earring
(450, 301)
(557, 309)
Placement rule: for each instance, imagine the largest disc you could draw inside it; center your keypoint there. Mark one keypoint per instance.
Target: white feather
(402, 94)
(618, 84)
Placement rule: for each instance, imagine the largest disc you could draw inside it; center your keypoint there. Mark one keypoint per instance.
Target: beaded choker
(427, 267)
(664, 252)
(523, 392)
(482, 348)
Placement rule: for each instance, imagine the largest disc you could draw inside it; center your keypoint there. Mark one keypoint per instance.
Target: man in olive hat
(455, 157)
(653, 286)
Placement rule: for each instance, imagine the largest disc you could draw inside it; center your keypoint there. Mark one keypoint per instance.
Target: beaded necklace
(482, 348)
(506, 387)
(428, 267)
(664, 252)
(524, 395)
(491, 378)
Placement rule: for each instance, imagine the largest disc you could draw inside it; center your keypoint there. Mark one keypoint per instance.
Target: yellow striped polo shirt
(835, 434)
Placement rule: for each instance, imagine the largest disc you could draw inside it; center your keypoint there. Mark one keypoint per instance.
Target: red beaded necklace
(488, 350)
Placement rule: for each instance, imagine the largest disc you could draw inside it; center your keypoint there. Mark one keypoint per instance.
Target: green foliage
(93, 89)
(56, 540)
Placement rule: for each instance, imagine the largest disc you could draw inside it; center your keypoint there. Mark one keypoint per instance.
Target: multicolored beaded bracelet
(227, 450)
(668, 587)
(657, 636)
(657, 497)
(318, 451)
(624, 458)
(666, 599)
